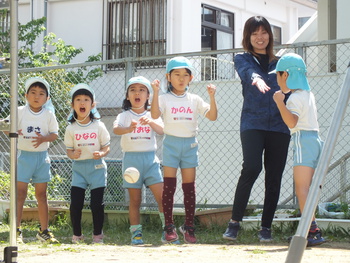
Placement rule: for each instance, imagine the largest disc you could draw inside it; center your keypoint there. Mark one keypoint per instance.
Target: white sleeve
(294, 105)
(119, 121)
(69, 138)
(105, 138)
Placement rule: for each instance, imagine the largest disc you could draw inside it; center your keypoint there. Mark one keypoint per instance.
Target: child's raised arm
(155, 112)
(212, 114)
(289, 118)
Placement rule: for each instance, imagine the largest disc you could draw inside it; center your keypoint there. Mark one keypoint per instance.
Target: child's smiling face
(82, 105)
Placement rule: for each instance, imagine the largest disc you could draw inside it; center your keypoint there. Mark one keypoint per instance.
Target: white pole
(10, 253)
(299, 241)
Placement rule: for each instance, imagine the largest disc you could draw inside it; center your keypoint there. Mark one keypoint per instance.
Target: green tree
(54, 52)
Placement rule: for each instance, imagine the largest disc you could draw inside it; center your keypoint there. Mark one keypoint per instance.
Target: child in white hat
(87, 142)
(37, 127)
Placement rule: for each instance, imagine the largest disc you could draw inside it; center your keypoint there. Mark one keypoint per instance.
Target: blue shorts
(33, 167)
(148, 165)
(180, 152)
(307, 147)
(90, 172)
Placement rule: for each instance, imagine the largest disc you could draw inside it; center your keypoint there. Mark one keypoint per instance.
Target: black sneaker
(231, 231)
(265, 235)
(314, 238)
(46, 236)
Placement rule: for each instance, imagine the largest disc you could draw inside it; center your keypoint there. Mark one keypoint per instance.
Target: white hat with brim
(82, 86)
(29, 82)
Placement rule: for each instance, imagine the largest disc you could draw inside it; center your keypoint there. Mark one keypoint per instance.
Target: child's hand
(20, 132)
(155, 85)
(211, 89)
(133, 125)
(97, 155)
(144, 120)
(76, 153)
(278, 96)
(37, 140)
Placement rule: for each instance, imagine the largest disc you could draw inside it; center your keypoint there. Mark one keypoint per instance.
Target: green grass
(118, 234)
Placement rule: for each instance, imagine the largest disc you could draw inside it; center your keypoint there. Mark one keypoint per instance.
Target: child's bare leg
(157, 191)
(43, 207)
(22, 189)
(302, 179)
(134, 206)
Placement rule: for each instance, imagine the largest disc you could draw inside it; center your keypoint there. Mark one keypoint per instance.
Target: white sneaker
(77, 239)
(97, 239)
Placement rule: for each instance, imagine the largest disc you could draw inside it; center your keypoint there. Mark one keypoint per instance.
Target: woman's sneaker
(231, 232)
(265, 235)
(136, 238)
(188, 232)
(77, 239)
(97, 239)
(170, 234)
(46, 236)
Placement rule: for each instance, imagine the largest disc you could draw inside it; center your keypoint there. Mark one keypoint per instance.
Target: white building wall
(184, 26)
(78, 22)
(343, 7)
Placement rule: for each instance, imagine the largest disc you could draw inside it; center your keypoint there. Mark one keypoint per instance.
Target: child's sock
(133, 228)
(168, 199)
(162, 219)
(190, 202)
(314, 227)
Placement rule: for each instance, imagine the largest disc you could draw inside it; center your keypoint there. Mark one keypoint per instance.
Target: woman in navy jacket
(264, 136)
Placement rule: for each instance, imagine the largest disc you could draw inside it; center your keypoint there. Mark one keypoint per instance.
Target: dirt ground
(272, 253)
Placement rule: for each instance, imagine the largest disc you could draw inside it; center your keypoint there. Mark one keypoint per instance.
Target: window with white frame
(135, 28)
(217, 34)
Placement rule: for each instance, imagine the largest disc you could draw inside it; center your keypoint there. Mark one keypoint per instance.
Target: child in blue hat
(300, 115)
(138, 141)
(180, 110)
(87, 142)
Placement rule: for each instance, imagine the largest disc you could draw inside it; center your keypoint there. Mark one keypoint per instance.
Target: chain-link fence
(220, 149)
